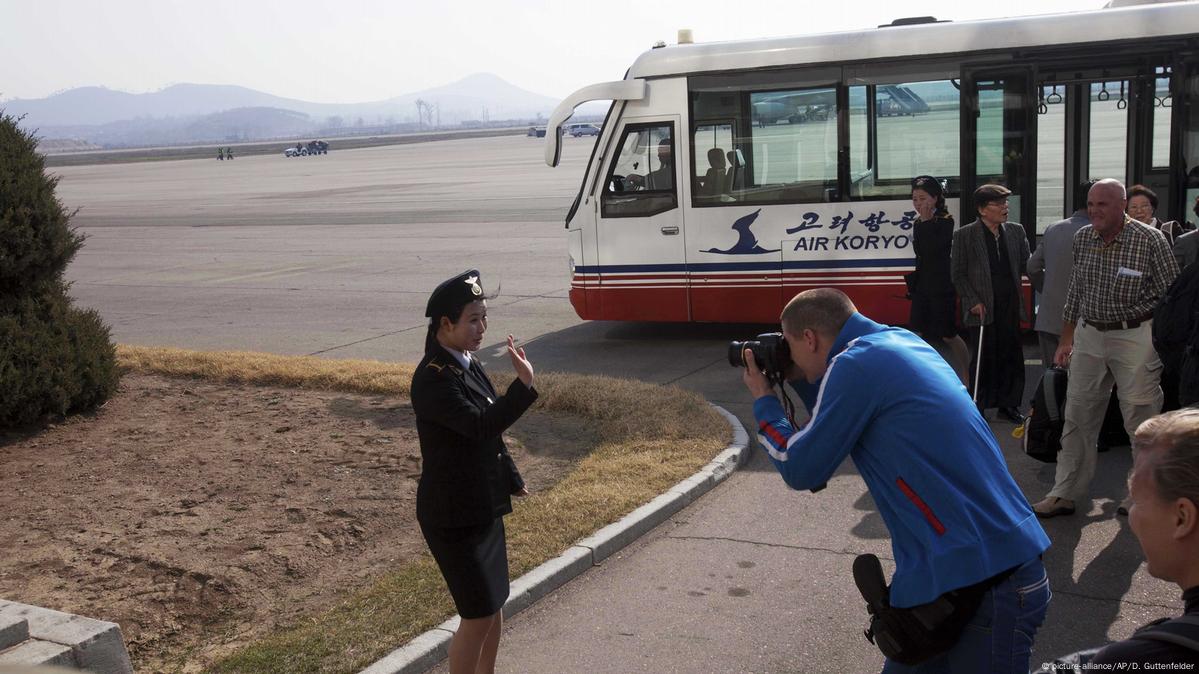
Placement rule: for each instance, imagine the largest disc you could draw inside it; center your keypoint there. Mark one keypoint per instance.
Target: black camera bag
(913, 635)
(1045, 421)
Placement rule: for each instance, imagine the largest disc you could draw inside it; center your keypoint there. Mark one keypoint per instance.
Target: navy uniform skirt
(474, 562)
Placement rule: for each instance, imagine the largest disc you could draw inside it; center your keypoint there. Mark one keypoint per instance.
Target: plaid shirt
(1120, 281)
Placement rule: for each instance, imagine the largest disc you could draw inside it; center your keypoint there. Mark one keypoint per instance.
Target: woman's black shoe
(1011, 414)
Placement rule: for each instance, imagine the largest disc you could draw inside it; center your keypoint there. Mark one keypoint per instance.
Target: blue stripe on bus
(740, 266)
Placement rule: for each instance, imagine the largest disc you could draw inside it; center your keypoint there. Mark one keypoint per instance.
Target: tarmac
(335, 255)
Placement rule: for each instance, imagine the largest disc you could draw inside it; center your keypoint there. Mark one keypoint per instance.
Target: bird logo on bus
(747, 243)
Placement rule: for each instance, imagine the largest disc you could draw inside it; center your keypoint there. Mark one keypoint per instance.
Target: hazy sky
(363, 50)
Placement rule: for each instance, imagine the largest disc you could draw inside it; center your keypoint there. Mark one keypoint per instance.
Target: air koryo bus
(730, 176)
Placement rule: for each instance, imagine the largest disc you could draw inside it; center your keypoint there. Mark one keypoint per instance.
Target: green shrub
(54, 358)
(36, 243)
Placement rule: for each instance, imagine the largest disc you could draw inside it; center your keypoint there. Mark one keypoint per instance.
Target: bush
(54, 358)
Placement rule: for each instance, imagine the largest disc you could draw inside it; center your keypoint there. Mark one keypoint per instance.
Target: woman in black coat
(467, 476)
(931, 285)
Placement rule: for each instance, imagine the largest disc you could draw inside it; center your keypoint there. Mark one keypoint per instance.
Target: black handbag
(913, 635)
(912, 279)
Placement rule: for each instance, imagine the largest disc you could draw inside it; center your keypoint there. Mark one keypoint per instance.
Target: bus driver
(661, 178)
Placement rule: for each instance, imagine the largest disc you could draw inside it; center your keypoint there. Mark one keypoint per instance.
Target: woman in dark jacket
(467, 476)
(1142, 207)
(989, 261)
(930, 284)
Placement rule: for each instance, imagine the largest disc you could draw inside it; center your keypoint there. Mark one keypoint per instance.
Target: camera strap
(788, 405)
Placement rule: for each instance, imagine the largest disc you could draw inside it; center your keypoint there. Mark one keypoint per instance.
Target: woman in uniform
(930, 285)
(467, 476)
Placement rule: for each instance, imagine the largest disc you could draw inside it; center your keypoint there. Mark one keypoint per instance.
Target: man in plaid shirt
(1122, 268)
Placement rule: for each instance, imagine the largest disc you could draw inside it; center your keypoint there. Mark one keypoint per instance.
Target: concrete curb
(432, 647)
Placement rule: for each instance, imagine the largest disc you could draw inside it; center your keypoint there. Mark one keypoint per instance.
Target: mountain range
(204, 112)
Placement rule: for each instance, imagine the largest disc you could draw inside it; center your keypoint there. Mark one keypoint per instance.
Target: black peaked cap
(455, 293)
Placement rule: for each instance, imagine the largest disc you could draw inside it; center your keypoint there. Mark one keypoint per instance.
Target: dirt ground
(199, 515)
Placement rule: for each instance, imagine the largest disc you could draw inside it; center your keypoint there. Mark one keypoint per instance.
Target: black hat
(449, 297)
(929, 184)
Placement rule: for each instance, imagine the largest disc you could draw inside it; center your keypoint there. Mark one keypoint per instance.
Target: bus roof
(1074, 29)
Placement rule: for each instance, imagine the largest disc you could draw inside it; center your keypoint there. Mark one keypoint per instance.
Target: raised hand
(520, 363)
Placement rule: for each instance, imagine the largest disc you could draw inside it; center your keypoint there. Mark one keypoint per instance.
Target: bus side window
(899, 131)
(794, 138)
(640, 181)
(779, 144)
(713, 179)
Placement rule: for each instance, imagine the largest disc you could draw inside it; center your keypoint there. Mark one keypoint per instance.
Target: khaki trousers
(1123, 357)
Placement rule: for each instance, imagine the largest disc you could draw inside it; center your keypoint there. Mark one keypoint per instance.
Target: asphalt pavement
(335, 255)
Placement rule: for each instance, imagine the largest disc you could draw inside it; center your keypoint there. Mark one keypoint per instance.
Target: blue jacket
(933, 467)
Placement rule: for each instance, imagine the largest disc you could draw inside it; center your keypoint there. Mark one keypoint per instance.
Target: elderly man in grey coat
(988, 261)
(1049, 270)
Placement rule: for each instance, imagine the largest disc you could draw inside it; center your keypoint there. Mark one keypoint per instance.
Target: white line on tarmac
(275, 272)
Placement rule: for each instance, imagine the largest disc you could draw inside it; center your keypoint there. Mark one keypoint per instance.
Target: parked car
(536, 132)
(305, 149)
(577, 130)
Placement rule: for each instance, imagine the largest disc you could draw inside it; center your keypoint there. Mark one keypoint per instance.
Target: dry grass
(637, 456)
(265, 369)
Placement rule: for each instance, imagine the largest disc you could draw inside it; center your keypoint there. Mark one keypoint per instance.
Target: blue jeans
(998, 640)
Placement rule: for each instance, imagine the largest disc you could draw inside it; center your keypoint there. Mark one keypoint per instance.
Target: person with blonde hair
(1164, 517)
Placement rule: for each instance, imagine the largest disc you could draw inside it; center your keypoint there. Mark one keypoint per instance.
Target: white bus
(729, 176)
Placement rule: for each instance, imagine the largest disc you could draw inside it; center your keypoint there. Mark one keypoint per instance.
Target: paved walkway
(754, 577)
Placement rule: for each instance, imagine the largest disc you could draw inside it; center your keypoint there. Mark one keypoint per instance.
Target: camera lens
(737, 353)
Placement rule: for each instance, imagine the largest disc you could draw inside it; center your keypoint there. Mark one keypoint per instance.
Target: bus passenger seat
(735, 177)
(714, 180)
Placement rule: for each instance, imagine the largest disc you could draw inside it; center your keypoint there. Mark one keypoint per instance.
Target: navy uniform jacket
(467, 476)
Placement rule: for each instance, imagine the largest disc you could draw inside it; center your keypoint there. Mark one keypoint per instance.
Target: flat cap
(455, 293)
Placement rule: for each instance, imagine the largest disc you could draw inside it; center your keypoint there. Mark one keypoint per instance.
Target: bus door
(1183, 104)
(998, 121)
(1112, 121)
(641, 265)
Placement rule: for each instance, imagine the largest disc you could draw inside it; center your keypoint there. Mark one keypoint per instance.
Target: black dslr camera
(771, 353)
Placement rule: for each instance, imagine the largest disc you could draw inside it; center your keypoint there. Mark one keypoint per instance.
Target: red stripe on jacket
(919, 503)
(774, 434)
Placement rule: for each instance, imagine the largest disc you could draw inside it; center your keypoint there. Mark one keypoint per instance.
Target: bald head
(822, 310)
(1106, 202)
(1109, 186)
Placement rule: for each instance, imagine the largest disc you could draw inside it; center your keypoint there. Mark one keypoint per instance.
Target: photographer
(965, 541)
